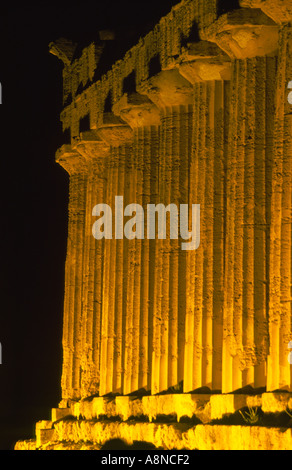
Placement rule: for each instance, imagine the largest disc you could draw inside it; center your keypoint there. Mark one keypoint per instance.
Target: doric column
(76, 166)
(81, 331)
(172, 94)
(119, 136)
(95, 151)
(125, 330)
(113, 275)
(109, 283)
(280, 262)
(208, 69)
(251, 40)
(139, 188)
(279, 210)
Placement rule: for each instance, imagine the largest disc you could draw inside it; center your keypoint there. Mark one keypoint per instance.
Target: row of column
(144, 314)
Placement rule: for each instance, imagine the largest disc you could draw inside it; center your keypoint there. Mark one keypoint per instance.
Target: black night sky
(34, 194)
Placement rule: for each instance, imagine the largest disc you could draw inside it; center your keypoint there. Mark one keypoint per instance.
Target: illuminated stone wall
(211, 125)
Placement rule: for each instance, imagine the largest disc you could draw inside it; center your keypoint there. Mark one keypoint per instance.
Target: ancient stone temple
(162, 344)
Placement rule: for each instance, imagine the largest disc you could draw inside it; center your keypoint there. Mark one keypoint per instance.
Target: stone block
(157, 405)
(60, 413)
(224, 405)
(115, 135)
(45, 424)
(276, 402)
(76, 410)
(123, 407)
(137, 110)
(188, 405)
(99, 407)
(85, 409)
(129, 406)
(29, 444)
(254, 401)
(43, 436)
(178, 405)
(244, 33)
(110, 407)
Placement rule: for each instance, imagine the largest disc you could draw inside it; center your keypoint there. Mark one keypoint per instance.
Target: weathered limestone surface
(205, 120)
(280, 256)
(169, 422)
(168, 437)
(279, 11)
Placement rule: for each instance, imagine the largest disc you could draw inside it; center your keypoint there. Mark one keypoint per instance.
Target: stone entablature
(167, 45)
(163, 44)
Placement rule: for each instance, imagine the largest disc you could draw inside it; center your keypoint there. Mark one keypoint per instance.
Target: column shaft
(72, 336)
(279, 369)
(245, 314)
(203, 349)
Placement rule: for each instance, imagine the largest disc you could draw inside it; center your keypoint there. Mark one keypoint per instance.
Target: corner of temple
(64, 49)
(70, 159)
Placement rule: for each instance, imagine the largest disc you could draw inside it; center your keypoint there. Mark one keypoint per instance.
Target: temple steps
(171, 421)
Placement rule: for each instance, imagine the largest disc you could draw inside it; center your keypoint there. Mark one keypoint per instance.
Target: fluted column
(280, 262)
(109, 286)
(95, 152)
(121, 277)
(76, 166)
(208, 69)
(139, 188)
(115, 274)
(131, 296)
(172, 94)
(250, 39)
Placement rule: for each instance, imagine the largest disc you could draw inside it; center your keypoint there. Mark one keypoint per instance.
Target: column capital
(90, 146)
(204, 61)
(279, 10)
(85, 149)
(71, 160)
(137, 110)
(168, 88)
(114, 131)
(244, 33)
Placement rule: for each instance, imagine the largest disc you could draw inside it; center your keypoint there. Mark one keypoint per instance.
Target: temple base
(170, 422)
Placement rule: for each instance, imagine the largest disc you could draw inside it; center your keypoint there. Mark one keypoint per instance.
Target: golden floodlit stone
(183, 349)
